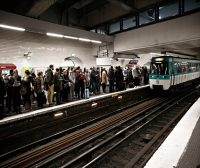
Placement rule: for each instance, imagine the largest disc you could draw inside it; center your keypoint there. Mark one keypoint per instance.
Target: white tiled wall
(46, 50)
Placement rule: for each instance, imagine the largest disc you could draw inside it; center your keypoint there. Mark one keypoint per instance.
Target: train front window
(159, 68)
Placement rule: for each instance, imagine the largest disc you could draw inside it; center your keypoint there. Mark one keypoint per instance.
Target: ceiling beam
(68, 4)
(95, 5)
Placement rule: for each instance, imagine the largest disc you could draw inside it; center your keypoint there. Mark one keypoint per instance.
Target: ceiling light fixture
(95, 41)
(58, 114)
(55, 35)
(82, 39)
(11, 27)
(70, 37)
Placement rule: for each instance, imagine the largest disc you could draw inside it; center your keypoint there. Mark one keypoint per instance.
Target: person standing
(94, 75)
(9, 89)
(16, 82)
(135, 76)
(142, 76)
(32, 86)
(2, 93)
(66, 86)
(72, 78)
(104, 80)
(111, 79)
(145, 74)
(57, 85)
(39, 89)
(50, 82)
(28, 80)
(87, 77)
(80, 79)
(98, 80)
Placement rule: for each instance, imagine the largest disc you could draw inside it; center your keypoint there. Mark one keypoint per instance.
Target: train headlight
(163, 77)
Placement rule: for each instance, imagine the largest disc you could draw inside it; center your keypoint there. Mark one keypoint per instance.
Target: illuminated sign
(28, 58)
(159, 59)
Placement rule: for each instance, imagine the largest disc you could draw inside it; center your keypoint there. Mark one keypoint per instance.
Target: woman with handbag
(66, 88)
(27, 82)
(39, 89)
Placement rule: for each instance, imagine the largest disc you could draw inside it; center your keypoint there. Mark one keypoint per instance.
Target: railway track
(32, 157)
(91, 145)
(29, 131)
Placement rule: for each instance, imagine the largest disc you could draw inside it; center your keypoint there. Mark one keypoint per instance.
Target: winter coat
(72, 77)
(142, 72)
(27, 83)
(38, 85)
(16, 88)
(104, 77)
(2, 88)
(111, 74)
(87, 76)
(57, 83)
(98, 79)
(93, 75)
(135, 73)
(51, 78)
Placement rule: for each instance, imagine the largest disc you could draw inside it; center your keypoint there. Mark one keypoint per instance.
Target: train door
(172, 74)
(181, 73)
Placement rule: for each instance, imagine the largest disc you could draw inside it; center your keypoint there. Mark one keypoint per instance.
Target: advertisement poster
(26, 68)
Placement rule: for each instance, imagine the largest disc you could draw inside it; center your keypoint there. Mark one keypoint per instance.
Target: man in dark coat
(9, 89)
(2, 93)
(94, 75)
(111, 79)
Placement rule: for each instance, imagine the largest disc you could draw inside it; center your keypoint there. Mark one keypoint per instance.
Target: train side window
(180, 69)
(193, 68)
(184, 68)
(177, 68)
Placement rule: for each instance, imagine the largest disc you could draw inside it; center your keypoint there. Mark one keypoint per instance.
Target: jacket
(16, 88)
(57, 83)
(50, 76)
(87, 76)
(142, 72)
(93, 75)
(104, 77)
(38, 85)
(135, 73)
(65, 79)
(72, 77)
(2, 88)
(27, 84)
(111, 74)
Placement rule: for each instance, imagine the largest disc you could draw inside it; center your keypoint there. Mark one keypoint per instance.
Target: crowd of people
(68, 84)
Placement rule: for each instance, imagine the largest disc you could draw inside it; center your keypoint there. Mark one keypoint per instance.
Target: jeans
(104, 87)
(71, 91)
(80, 85)
(58, 97)
(93, 86)
(110, 85)
(142, 80)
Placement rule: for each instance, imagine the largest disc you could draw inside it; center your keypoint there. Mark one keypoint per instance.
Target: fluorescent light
(70, 37)
(55, 35)
(11, 27)
(82, 39)
(58, 114)
(95, 41)
(94, 104)
(127, 59)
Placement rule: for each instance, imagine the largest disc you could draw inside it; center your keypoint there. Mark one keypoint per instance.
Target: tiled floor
(191, 157)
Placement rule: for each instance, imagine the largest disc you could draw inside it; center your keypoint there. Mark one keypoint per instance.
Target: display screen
(159, 59)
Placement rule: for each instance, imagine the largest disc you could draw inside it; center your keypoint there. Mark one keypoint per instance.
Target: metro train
(173, 73)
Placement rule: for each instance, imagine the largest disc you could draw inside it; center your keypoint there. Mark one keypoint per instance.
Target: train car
(173, 73)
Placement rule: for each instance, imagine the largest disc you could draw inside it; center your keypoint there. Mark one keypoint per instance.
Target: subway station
(100, 83)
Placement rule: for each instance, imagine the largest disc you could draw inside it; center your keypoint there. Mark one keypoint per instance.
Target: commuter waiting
(49, 79)
(16, 82)
(39, 89)
(27, 82)
(2, 93)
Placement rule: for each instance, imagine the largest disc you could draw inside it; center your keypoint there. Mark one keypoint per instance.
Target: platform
(66, 105)
(181, 149)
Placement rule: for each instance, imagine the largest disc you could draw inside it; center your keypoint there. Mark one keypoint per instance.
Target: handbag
(22, 91)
